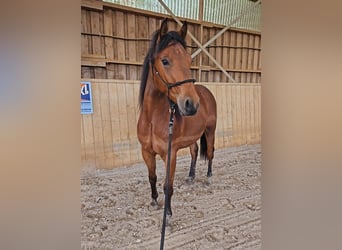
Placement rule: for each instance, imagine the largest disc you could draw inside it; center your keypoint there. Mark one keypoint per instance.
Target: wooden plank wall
(109, 134)
(115, 39)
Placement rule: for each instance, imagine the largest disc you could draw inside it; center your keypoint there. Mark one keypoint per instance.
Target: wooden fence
(109, 136)
(115, 40)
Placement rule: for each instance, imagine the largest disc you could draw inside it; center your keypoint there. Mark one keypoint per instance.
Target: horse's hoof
(190, 180)
(168, 220)
(154, 203)
(168, 230)
(209, 180)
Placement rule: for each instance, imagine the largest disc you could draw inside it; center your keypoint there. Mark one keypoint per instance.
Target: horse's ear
(163, 27)
(182, 32)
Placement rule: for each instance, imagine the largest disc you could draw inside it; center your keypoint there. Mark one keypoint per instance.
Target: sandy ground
(116, 211)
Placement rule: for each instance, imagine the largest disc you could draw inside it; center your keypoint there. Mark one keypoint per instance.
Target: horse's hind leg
(192, 171)
(150, 160)
(210, 138)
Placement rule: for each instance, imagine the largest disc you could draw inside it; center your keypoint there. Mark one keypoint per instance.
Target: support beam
(226, 28)
(196, 41)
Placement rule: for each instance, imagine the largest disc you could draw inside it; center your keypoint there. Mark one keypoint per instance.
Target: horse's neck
(153, 97)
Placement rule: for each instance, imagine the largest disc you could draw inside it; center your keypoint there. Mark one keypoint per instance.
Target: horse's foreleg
(194, 153)
(150, 160)
(168, 185)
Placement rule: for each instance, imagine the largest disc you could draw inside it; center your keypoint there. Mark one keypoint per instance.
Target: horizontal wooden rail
(102, 62)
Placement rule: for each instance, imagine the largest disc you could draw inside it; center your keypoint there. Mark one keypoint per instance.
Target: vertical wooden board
(218, 50)
(89, 144)
(84, 20)
(137, 146)
(84, 38)
(134, 72)
(250, 52)
(232, 51)
(243, 114)
(244, 56)
(83, 154)
(204, 76)
(229, 119)
(256, 110)
(120, 31)
(110, 71)
(247, 115)
(119, 72)
(238, 60)
(124, 135)
(210, 76)
(212, 49)
(131, 51)
(217, 76)
(100, 73)
(225, 50)
(237, 77)
(252, 114)
(115, 121)
(88, 29)
(238, 116)
(97, 123)
(142, 32)
(188, 38)
(220, 115)
(255, 58)
(205, 58)
(234, 115)
(256, 62)
(101, 30)
(131, 118)
(195, 46)
(106, 125)
(225, 116)
(95, 29)
(136, 89)
(108, 30)
(86, 72)
(253, 77)
(84, 45)
(243, 77)
(152, 26)
(259, 111)
(249, 77)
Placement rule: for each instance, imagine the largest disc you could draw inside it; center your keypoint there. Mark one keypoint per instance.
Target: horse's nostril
(188, 103)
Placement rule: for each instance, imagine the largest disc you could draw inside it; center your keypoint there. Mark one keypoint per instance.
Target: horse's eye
(165, 62)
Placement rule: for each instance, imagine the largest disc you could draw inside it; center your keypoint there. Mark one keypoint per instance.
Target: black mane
(165, 40)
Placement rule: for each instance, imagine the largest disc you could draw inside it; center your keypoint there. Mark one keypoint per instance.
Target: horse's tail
(204, 147)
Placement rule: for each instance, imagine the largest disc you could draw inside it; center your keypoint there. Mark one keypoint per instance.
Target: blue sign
(86, 98)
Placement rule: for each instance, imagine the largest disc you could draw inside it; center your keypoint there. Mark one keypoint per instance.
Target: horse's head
(171, 69)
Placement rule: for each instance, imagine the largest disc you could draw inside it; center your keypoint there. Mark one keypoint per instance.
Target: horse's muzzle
(187, 107)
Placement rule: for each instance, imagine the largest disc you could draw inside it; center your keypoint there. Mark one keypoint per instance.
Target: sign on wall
(86, 98)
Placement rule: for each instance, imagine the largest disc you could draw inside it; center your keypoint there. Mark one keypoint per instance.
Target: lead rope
(167, 190)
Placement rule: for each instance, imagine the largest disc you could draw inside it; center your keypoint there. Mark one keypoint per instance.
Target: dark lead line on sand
(167, 189)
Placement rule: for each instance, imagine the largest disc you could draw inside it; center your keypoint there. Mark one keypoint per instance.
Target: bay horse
(166, 79)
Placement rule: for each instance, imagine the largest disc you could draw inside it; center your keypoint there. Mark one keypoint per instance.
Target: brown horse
(166, 81)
